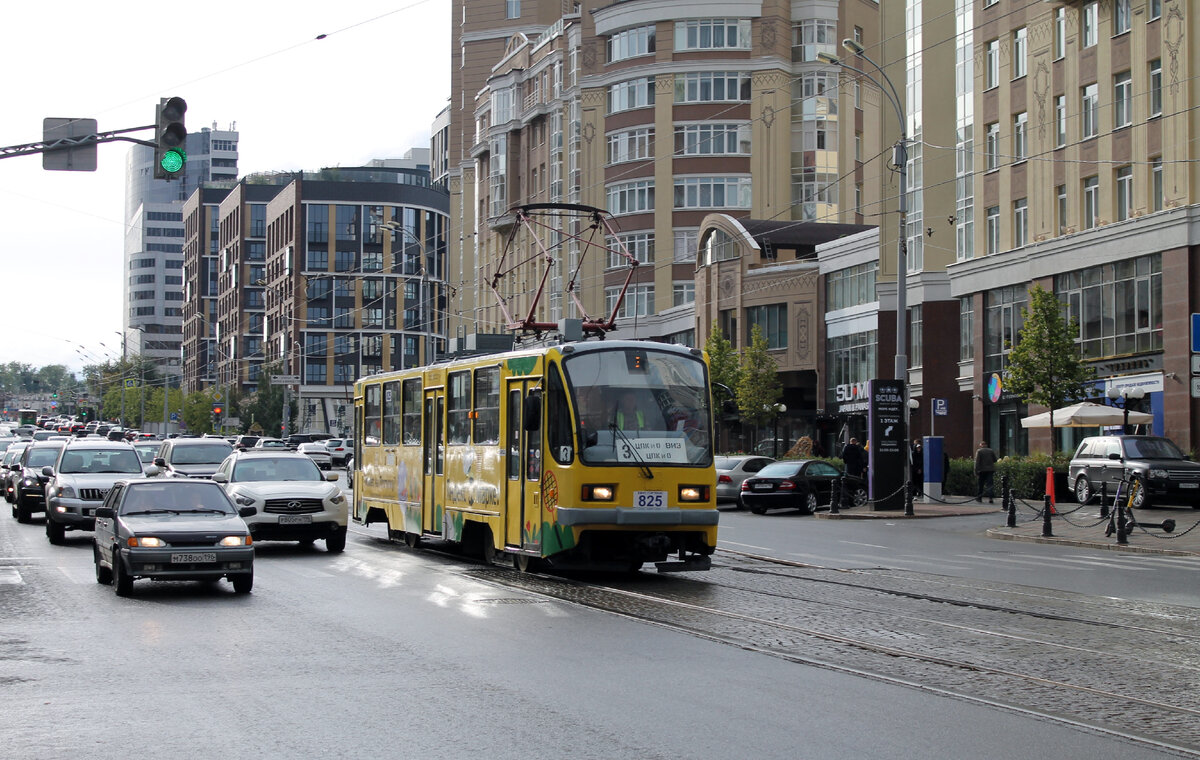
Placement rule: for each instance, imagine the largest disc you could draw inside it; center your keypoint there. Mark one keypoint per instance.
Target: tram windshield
(641, 406)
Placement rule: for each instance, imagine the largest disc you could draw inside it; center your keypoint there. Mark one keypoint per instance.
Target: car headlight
(1160, 474)
(244, 501)
(598, 492)
(147, 541)
(29, 482)
(65, 492)
(235, 541)
(337, 499)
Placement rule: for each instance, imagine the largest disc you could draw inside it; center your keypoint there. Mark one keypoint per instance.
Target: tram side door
(523, 470)
(434, 456)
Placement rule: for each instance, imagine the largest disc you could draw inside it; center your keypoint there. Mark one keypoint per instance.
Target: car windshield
(1151, 448)
(146, 453)
(726, 463)
(780, 470)
(203, 453)
(175, 496)
(99, 460)
(271, 445)
(43, 457)
(253, 469)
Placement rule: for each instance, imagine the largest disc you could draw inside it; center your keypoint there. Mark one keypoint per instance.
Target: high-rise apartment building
(152, 314)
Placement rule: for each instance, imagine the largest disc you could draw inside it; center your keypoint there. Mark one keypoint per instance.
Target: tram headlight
(599, 493)
(693, 493)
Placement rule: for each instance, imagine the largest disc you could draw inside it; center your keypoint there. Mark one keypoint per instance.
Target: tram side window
(458, 407)
(558, 418)
(372, 414)
(391, 413)
(487, 405)
(411, 419)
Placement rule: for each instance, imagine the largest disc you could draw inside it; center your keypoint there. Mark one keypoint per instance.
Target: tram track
(1078, 669)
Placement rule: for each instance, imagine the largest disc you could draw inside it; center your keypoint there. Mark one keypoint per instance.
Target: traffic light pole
(66, 143)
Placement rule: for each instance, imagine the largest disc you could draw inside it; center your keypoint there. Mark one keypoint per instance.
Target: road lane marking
(859, 543)
(9, 576)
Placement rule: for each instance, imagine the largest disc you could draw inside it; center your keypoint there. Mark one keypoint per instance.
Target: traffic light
(218, 408)
(54, 395)
(169, 138)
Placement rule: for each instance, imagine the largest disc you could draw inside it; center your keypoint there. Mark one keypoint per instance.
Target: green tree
(758, 381)
(265, 406)
(722, 359)
(197, 412)
(1045, 367)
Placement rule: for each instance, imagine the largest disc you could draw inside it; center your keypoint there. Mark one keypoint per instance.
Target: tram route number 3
(649, 499)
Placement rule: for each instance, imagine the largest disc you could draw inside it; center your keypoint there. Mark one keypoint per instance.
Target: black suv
(30, 481)
(1161, 470)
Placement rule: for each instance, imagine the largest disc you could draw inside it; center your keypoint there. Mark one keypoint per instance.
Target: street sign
(1196, 365)
(941, 407)
(130, 382)
(1196, 387)
(1196, 333)
(174, 416)
(218, 396)
(70, 153)
(285, 380)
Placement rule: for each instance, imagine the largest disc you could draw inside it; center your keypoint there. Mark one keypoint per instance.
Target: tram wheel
(525, 563)
(412, 540)
(489, 551)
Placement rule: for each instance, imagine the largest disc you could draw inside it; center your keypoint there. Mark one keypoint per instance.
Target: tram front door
(523, 468)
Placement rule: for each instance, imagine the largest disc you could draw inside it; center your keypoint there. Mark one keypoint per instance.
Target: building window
(1156, 183)
(1122, 100)
(639, 301)
(713, 34)
(1020, 42)
(1090, 19)
(993, 229)
(851, 286)
(858, 154)
(1060, 193)
(711, 87)
(1020, 121)
(512, 9)
(1124, 193)
(1060, 121)
(631, 145)
(631, 43)
(991, 145)
(1002, 324)
(1090, 124)
(685, 245)
(858, 34)
(1117, 306)
(1121, 17)
(640, 246)
(966, 328)
(964, 223)
(991, 65)
(772, 320)
(1020, 222)
(712, 139)
(1091, 201)
(683, 292)
(636, 93)
(915, 335)
(849, 359)
(1156, 87)
(712, 192)
(1060, 33)
(631, 197)
(314, 372)
(1155, 9)
(810, 188)
(813, 37)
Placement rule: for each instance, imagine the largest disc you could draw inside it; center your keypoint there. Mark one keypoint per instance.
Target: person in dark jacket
(853, 458)
(985, 472)
(917, 468)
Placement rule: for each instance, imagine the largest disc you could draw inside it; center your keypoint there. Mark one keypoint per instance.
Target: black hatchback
(805, 484)
(1160, 470)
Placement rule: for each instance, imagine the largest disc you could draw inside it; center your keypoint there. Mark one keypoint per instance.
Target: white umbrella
(1086, 414)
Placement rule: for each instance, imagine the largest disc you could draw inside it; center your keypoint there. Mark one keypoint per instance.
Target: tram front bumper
(624, 516)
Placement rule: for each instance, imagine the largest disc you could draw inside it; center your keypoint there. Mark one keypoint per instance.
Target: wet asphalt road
(385, 652)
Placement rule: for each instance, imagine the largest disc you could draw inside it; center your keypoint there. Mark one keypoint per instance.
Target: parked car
(1162, 472)
(295, 501)
(804, 484)
(339, 449)
(172, 530)
(731, 471)
(318, 453)
(79, 481)
(270, 443)
(30, 480)
(192, 457)
(8, 466)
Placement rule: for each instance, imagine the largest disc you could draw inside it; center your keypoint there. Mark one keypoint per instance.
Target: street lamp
(1135, 393)
(779, 408)
(900, 160)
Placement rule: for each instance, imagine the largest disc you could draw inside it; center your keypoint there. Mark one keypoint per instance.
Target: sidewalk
(1071, 526)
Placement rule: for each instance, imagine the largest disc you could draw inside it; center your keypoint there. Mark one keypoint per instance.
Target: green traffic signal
(172, 160)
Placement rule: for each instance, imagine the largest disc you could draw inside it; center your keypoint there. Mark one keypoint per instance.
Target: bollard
(908, 502)
(1010, 504)
(1047, 531)
(835, 503)
(1122, 533)
(1103, 499)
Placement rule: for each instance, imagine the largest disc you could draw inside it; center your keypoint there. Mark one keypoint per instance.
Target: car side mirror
(220, 477)
(105, 512)
(331, 477)
(247, 511)
(48, 471)
(160, 462)
(1115, 457)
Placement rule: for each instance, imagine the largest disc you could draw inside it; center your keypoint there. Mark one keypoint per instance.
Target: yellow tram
(590, 455)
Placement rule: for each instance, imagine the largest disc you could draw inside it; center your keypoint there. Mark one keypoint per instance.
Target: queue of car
(177, 509)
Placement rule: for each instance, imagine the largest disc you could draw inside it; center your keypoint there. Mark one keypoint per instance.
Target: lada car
(1155, 464)
(30, 479)
(172, 529)
(293, 499)
(192, 457)
(78, 483)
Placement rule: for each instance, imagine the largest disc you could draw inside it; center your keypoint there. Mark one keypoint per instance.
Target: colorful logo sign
(995, 387)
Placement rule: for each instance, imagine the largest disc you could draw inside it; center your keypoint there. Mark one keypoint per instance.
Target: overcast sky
(370, 89)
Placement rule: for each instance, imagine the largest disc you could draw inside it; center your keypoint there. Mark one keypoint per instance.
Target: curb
(1004, 535)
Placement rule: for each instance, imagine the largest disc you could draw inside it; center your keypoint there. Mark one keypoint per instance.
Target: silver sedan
(731, 471)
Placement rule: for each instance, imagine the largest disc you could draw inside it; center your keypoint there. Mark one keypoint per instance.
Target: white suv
(295, 501)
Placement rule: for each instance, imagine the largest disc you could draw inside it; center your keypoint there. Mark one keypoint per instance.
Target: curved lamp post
(1136, 393)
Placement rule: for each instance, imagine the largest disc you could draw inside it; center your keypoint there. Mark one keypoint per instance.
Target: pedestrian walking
(853, 459)
(985, 472)
(917, 468)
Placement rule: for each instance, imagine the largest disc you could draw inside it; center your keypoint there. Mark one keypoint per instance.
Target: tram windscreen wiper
(633, 452)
